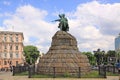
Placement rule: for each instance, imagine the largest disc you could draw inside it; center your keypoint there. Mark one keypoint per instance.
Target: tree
(31, 54)
(100, 55)
(118, 55)
(111, 53)
(90, 57)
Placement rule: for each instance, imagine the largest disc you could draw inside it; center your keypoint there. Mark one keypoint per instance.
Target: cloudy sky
(94, 23)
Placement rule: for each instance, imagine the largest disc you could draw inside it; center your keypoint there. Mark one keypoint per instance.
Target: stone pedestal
(64, 56)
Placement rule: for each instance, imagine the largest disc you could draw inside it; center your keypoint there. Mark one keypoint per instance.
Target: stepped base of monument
(63, 57)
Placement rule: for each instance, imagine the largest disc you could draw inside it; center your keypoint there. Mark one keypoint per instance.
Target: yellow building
(11, 49)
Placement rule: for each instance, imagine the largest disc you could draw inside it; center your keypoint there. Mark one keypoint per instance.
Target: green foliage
(22, 74)
(112, 56)
(66, 74)
(100, 56)
(92, 74)
(111, 53)
(31, 54)
(91, 57)
(112, 74)
(42, 76)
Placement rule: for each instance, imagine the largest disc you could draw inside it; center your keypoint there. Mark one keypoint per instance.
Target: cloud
(30, 21)
(94, 25)
(105, 16)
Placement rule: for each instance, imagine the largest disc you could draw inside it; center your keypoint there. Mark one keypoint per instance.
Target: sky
(94, 23)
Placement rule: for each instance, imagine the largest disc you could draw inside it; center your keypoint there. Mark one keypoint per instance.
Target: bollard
(13, 70)
(99, 69)
(79, 73)
(113, 69)
(54, 72)
(105, 72)
(19, 68)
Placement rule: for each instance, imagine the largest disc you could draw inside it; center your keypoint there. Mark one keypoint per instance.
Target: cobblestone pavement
(8, 76)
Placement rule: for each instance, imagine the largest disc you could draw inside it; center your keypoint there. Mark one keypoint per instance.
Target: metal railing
(53, 72)
(102, 71)
(19, 69)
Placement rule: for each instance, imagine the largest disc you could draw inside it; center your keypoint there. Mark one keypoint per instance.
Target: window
(5, 62)
(0, 62)
(10, 47)
(17, 55)
(11, 55)
(5, 55)
(17, 47)
(5, 37)
(10, 62)
(11, 38)
(5, 46)
(16, 37)
(16, 63)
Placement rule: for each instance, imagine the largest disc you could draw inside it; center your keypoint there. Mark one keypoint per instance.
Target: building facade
(117, 43)
(11, 49)
(117, 46)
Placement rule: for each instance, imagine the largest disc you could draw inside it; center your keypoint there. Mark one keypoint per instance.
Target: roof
(11, 32)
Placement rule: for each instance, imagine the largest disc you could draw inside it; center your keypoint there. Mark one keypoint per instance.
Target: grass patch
(22, 74)
(92, 74)
(42, 76)
(51, 76)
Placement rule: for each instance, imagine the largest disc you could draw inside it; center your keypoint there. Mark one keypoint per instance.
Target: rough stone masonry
(64, 56)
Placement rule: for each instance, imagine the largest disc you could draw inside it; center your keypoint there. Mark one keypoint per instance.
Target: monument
(63, 55)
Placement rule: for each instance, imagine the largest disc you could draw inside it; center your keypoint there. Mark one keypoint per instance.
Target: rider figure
(63, 25)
